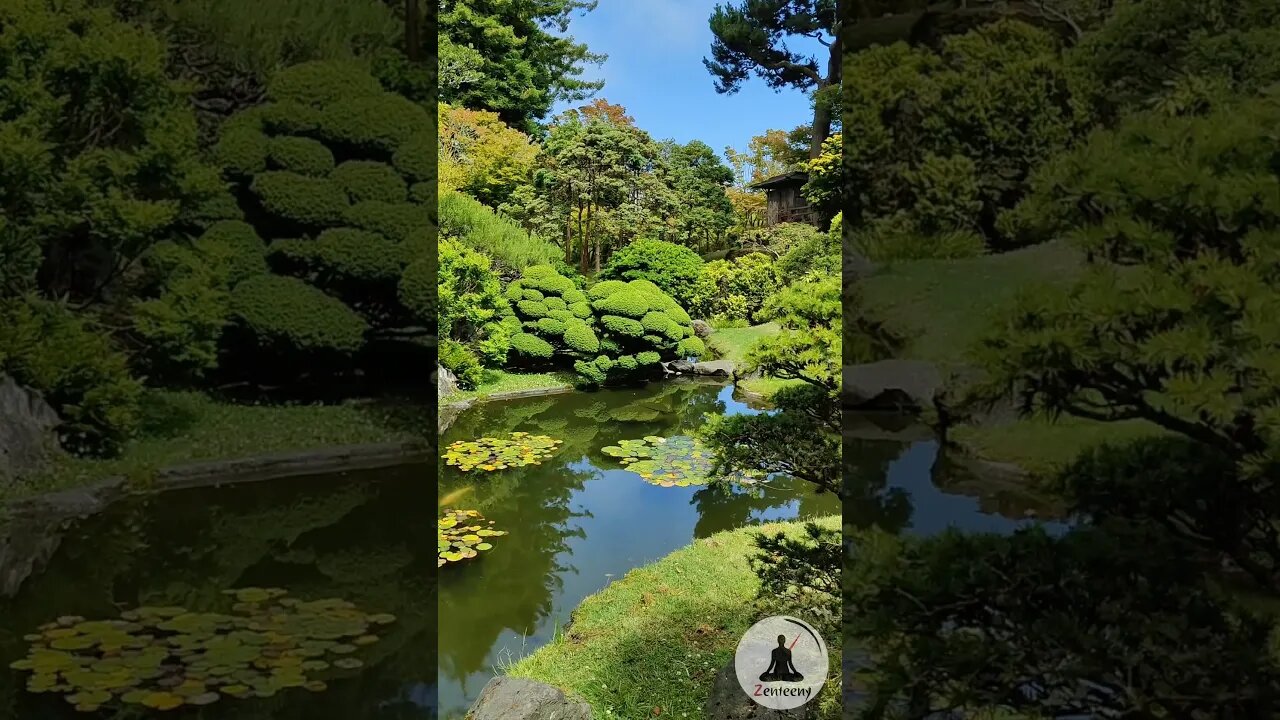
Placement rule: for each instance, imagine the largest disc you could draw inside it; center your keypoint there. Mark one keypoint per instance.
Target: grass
(733, 343)
(1042, 446)
(181, 427)
(501, 381)
(943, 306)
(650, 644)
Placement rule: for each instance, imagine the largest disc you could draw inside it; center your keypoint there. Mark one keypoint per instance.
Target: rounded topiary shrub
(288, 317)
(301, 155)
(308, 201)
(370, 180)
(674, 268)
(319, 175)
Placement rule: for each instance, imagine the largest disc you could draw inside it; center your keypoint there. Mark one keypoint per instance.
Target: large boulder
(702, 329)
(446, 383)
(27, 423)
(727, 702)
(896, 385)
(714, 368)
(511, 698)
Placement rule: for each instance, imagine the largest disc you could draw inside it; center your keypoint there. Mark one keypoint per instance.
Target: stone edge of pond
(91, 498)
(448, 412)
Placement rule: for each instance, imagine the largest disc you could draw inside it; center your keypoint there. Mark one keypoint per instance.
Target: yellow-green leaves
(490, 454)
(463, 535)
(163, 658)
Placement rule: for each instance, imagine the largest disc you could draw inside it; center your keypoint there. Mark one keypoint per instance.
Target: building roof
(787, 178)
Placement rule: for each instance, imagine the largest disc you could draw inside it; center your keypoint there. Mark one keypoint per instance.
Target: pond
(579, 520)
(363, 537)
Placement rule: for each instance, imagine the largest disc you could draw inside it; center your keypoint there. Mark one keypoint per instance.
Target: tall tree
(526, 62)
(751, 37)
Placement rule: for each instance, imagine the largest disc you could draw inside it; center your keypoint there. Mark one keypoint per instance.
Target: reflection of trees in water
(512, 588)
(867, 501)
(724, 507)
(317, 539)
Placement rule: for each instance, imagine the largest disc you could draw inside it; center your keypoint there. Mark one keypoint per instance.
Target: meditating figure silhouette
(781, 668)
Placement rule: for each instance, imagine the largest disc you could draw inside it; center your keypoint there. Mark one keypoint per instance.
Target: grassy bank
(501, 381)
(734, 343)
(181, 427)
(944, 306)
(650, 644)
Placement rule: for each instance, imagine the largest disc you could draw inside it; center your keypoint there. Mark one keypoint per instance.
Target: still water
(576, 523)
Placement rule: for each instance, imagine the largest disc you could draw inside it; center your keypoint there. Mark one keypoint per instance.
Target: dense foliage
(673, 268)
(734, 290)
(512, 58)
(323, 172)
(942, 143)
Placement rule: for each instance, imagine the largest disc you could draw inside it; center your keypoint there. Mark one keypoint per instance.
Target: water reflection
(343, 536)
(578, 521)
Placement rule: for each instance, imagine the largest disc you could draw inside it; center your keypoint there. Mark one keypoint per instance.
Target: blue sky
(655, 50)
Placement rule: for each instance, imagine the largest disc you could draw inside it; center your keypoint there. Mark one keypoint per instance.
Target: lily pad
(463, 535)
(679, 461)
(491, 454)
(170, 657)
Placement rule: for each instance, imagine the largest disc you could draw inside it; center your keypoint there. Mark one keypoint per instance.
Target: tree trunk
(412, 31)
(822, 110)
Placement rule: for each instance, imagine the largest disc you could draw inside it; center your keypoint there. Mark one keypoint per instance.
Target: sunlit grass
(502, 381)
(650, 644)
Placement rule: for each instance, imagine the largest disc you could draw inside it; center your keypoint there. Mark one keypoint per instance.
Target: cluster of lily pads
(167, 657)
(679, 461)
(490, 453)
(463, 535)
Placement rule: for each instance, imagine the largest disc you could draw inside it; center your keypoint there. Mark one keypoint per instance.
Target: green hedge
(321, 82)
(300, 155)
(343, 253)
(309, 201)
(417, 158)
(370, 180)
(242, 150)
(288, 315)
(379, 123)
(418, 288)
(401, 222)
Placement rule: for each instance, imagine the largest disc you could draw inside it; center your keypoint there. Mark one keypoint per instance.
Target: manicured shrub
(369, 180)
(418, 289)
(341, 254)
(622, 325)
(416, 160)
(287, 316)
(288, 118)
(80, 372)
(322, 82)
(232, 251)
(555, 303)
(532, 346)
(242, 150)
(691, 347)
(673, 268)
(648, 357)
(459, 360)
(814, 253)
(300, 155)
(300, 199)
(550, 326)
(375, 123)
(401, 222)
(579, 337)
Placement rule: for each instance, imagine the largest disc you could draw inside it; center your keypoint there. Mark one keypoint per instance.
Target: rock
(446, 383)
(899, 385)
(683, 367)
(727, 702)
(510, 698)
(713, 368)
(27, 423)
(701, 328)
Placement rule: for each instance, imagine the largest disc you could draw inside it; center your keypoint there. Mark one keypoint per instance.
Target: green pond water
(576, 523)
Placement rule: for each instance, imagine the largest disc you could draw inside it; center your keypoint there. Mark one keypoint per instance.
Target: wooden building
(785, 202)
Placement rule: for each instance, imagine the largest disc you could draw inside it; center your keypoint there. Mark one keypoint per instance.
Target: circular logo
(781, 662)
